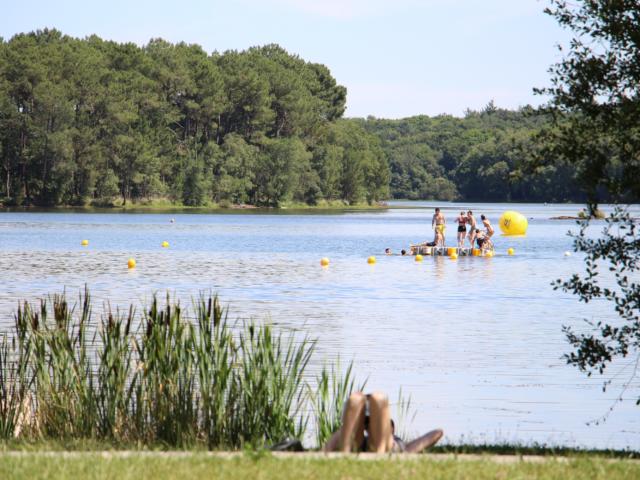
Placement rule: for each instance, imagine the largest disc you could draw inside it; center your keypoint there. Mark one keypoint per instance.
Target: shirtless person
(437, 223)
(471, 220)
(487, 226)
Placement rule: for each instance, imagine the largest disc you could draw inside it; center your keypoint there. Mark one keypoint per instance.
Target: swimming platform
(446, 251)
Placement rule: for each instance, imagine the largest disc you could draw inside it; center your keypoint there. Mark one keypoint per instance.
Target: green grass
(35, 466)
(531, 449)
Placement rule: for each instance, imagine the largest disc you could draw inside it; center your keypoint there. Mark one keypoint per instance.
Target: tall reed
(333, 388)
(160, 377)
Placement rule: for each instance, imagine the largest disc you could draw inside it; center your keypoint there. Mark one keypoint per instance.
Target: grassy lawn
(140, 466)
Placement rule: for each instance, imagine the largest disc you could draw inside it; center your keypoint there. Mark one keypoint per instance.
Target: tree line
(95, 122)
(487, 155)
(89, 121)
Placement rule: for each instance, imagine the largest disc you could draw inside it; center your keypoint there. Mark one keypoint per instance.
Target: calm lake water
(476, 342)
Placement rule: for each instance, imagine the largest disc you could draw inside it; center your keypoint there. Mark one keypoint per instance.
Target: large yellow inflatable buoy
(513, 223)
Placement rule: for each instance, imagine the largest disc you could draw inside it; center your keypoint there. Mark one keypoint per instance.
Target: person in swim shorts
(462, 229)
(438, 224)
(471, 220)
(367, 426)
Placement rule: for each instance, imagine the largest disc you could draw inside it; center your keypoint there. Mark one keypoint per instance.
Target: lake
(475, 342)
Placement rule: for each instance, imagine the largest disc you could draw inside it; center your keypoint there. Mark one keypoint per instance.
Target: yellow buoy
(453, 256)
(131, 263)
(165, 244)
(324, 261)
(511, 251)
(513, 223)
(418, 258)
(489, 254)
(476, 252)
(371, 260)
(451, 251)
(84, 243)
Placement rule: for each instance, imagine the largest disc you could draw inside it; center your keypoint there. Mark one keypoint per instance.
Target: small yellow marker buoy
(165, 244)
(489, 254)
(451, 251)
(371, 260)
(131, 263)
(324, 261)
(84, 243)
(418, 258)
(476, 252)
(511, 251)
(453, 256)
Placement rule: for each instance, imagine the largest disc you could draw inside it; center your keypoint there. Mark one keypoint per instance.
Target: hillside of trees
(95, 122)
(486, 156)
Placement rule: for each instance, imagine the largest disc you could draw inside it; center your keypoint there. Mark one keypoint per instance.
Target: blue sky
(397, 58)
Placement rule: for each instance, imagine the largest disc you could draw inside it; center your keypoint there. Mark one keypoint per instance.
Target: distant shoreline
(168, 208)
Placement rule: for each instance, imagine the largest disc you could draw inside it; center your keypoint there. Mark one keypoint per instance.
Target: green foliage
(595, 106)
(163, 377)
(594, 98)
(485, 156)
(87, 121)
(333, 388)
(616, 250)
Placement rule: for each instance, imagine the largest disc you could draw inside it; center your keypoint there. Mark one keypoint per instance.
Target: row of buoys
(452, 253)
(131, 263)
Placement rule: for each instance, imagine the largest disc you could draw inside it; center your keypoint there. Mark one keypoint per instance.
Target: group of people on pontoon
(475, 235)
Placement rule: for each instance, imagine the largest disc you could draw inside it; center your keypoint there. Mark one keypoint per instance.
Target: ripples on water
(476, 342)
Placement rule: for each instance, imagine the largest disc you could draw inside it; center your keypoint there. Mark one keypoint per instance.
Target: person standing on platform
(471, 220)
(438, 224)
(462, 229)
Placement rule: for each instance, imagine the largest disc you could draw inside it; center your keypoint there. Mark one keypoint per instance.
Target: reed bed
(163, 377)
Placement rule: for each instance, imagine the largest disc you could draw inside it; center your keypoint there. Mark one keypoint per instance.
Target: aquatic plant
(160, 377)
(332, 390)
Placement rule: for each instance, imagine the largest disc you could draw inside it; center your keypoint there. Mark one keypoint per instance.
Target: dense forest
(490, 155)
(95, 122)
